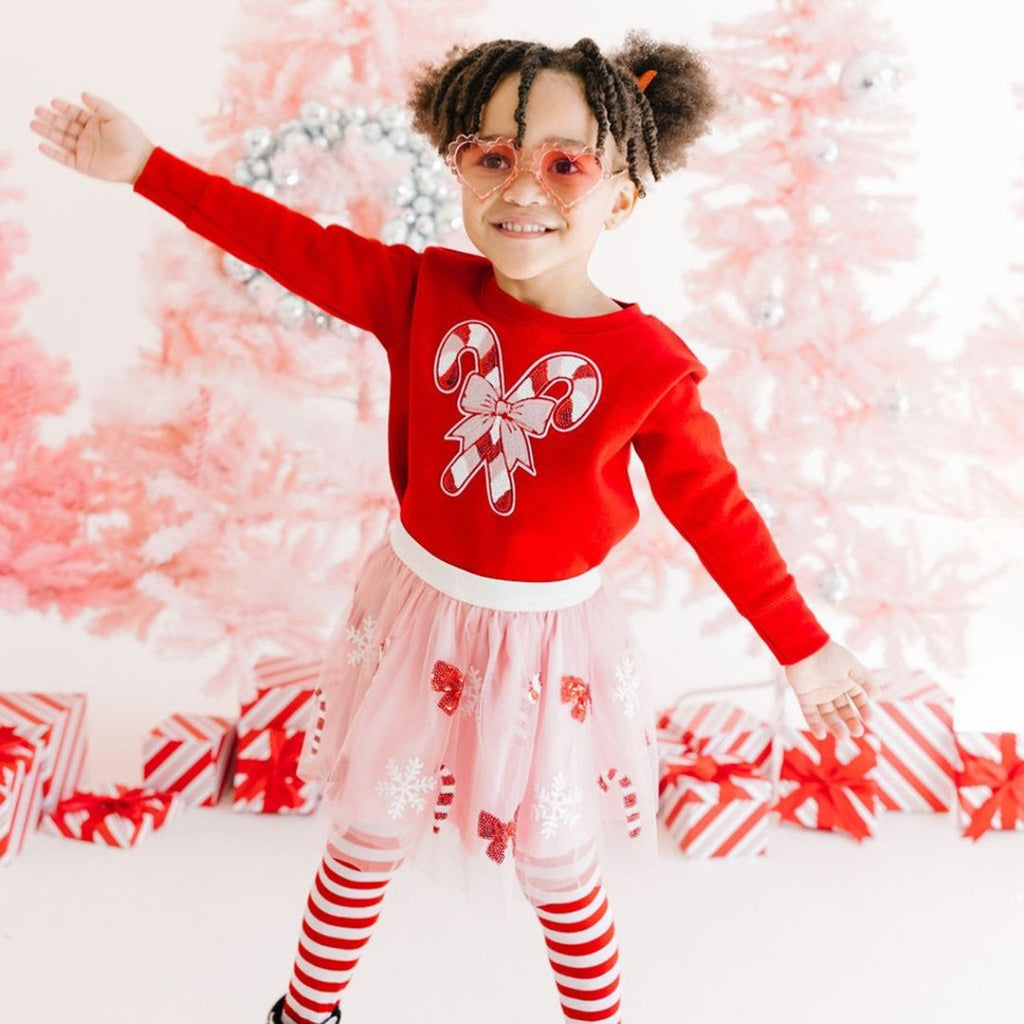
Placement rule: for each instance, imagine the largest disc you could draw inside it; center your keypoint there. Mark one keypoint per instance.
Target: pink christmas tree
(250, 446)
(840, 423)
(47, 492)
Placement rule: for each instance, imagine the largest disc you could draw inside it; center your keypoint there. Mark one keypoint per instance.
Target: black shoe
(274, 1017)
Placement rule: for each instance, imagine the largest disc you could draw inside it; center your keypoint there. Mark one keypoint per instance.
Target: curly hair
(655, 126)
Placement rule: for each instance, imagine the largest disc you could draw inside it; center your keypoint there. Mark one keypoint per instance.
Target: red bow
(499, 832)
(274, 776)
(1006, 778)
(828, 784)
(576, 692)
(447, 679)
(14, 747)
(698, 764)
(133, 804)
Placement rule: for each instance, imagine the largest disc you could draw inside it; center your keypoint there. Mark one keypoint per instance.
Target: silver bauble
(394, 231)
(290, 309)
(423, 204)
(264, 186)
(868, 77)
(259, 168)
(405, 193)
(240, 173)
(390, 116)
(371, 131)
(315, 115)
(833, 584)
(769, 313)
(399, 138)
(356, 115)
(237, 269)
(895, 401)
(416, 241)
(258, 141)
(425, 225)
(285, 177)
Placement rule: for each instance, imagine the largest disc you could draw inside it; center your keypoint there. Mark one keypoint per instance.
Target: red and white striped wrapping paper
(113, 829)
(990, 782)
(265, 788)
(22, 755)
(703, 825)
(284, 695)
(189, 754)
(63, 717)
(828, 804)
(917, 759)
(730, 730)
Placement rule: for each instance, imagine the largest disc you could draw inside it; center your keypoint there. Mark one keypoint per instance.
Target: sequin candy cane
(445, 797)
(628, 799)
(495, 428)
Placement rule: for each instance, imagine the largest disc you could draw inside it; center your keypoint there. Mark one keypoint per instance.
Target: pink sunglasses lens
(484, 167)
(570, 176)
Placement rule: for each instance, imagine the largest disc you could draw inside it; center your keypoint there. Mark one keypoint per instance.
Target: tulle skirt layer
(487, 740)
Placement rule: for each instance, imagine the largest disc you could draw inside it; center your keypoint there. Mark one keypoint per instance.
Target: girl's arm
(359, 280)
(696, 486)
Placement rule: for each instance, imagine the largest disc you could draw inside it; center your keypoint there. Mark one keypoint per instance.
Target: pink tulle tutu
(483, 736)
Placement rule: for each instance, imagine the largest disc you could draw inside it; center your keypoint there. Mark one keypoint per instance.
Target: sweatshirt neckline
(500, 303)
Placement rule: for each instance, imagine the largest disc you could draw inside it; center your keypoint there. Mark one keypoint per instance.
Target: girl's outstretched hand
(96, 139)
(833, 688)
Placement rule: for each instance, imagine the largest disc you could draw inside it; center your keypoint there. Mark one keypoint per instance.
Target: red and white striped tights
(344, 905)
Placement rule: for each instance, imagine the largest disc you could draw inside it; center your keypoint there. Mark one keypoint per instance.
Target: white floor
(197, 925)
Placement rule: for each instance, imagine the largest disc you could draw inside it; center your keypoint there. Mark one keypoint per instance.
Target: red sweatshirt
(510, 428)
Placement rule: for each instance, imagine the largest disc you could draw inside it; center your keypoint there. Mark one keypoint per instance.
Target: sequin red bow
(577, 693)
(448, 680)
(1006, 779)
(499, 832)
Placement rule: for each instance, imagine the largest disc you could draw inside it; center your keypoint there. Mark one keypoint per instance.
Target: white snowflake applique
(557, 806)
(627, 692)
(360, 639)
(405, 786)
(470, 699)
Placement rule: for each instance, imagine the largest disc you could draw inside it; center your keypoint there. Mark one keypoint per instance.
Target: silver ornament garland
(425, 203)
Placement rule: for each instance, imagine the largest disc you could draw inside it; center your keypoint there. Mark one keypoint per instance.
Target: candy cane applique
(629, 799)
(496, 426)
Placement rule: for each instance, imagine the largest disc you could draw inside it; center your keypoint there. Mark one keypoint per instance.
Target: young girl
(483, 708)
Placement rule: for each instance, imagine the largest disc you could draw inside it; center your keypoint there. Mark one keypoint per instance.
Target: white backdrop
(163, 63)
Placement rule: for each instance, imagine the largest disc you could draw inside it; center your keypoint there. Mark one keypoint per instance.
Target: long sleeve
(357, 279)
(696, 486)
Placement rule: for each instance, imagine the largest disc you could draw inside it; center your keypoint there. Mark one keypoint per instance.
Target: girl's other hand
(96, 139)
(833, 688)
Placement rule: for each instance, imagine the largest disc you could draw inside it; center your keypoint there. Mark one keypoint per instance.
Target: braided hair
(655, 126)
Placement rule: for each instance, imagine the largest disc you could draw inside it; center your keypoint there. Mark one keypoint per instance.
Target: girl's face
(556, 109)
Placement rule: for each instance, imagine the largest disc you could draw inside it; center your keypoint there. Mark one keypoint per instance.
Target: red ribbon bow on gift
(447, 679)
(133, 804)
(14, 750)
(1006, 778)
(499, 832)
(828, 784)
(696, 763)
(576, 692)
(274, 776)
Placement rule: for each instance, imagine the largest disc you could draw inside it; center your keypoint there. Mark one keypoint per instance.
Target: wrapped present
(189, 754)
(113, 814)
(990, 782)
(731, 730)
(266, 779)
(21, 786)
(62, 717)
(917, 759)
(713, 804)
(285, 688)
(826, 784)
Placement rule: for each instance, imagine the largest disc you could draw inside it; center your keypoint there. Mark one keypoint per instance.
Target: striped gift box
(828, 784)
(917, 759)
(990, 782)
(112, 829)
(189, 754)
(62, 715)
(268, 785)
(285, 688)
(705, 825)
(729, 729)
(22, 753)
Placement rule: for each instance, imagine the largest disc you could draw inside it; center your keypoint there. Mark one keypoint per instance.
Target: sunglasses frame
(539, 152)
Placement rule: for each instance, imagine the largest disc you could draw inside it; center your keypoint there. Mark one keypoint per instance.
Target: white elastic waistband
(502, 595)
